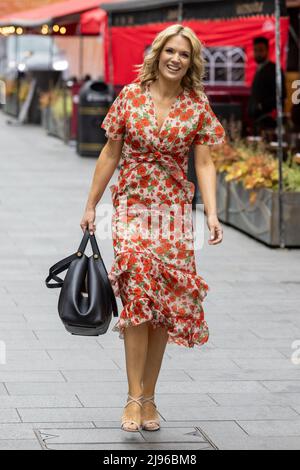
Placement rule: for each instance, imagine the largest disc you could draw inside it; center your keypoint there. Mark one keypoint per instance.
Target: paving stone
(94, 400)
(286, 331)
(57, 388)
(165, 438)
(272, 428)
(267, 398)
(9, 416)
(242, 375)
(92, 376)
(41, 345)
(247, 342)
(131, 447)
(30, 376)
(228, 435)
(16, 335)
(205, 386)
(20, 444)
(40, 401)
(81, 436)
(232, 412)
(48, 364)
(68, 414)
(26, 430)
(264, 363)
(201, 363)
(289, 386)
(230, 353)
(296, 407)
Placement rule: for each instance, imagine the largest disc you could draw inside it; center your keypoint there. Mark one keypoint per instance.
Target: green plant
(255, 167)
(291, 177)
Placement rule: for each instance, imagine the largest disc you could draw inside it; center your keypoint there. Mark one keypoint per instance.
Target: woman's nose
(176, 58)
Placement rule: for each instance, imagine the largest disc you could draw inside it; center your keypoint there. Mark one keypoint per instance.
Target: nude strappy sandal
(150, 424)
(131, 421)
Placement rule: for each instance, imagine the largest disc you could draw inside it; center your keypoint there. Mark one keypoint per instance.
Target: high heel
(129, 420)
(150, 424)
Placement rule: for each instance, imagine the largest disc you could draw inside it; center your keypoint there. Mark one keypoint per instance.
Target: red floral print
(156, 278)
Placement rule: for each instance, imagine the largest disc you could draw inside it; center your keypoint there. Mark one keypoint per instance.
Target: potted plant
(248, 198)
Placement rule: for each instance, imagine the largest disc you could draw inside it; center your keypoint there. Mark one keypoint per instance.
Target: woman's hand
(88, 220)
(216, 232)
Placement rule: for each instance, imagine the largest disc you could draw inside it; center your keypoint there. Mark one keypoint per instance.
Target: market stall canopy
(48, 13)
(201, 9)
(223, 26)
(93, 21)
(293, 3)
(69, 14)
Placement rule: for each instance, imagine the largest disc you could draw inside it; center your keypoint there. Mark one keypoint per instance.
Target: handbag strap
(63, 264)
(84, 241)
(58, 268)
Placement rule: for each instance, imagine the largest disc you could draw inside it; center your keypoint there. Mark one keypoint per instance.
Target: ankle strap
(136, 400)
(149, 399)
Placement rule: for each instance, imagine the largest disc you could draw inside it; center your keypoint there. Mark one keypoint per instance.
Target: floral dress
(154, 271)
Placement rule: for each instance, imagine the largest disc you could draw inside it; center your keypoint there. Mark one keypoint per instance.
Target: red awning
(92, 21)
(293, 3)
(48, 13)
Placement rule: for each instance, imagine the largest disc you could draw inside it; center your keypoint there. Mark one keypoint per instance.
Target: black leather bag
(86, 299)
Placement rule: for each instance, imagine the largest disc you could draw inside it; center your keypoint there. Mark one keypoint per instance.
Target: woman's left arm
(207, 182)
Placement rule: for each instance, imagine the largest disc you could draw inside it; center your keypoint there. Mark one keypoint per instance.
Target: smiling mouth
(173, 69)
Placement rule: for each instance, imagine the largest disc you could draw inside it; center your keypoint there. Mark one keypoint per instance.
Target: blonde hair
(193, 79)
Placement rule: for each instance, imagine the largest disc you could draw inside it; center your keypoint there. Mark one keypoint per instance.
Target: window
(224, 65)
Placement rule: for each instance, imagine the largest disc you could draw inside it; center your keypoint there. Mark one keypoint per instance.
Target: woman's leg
(136, 346)
(157, 342)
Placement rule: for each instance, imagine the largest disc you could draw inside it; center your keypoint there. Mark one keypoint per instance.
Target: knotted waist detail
(131, 160)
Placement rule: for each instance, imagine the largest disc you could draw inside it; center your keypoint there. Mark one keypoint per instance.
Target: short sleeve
(209, 131)
(114, 121)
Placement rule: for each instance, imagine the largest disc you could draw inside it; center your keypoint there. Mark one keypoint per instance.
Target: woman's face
(175, 58)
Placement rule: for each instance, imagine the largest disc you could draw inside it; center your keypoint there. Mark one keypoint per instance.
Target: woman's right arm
(106, 164)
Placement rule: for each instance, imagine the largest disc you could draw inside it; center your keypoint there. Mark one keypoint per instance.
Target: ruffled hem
(185, 330)
(158, 270)
(139, 311)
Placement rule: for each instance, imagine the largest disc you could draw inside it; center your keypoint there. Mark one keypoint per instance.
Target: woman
(150, 128)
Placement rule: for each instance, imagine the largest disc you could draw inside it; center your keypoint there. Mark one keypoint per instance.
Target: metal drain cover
(186, 437)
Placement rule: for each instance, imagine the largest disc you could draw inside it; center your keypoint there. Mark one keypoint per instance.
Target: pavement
(58, 391)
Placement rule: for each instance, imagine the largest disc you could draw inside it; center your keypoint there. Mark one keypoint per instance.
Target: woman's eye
(171, 51)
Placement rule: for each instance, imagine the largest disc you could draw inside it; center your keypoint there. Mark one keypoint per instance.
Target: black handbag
(86, 299)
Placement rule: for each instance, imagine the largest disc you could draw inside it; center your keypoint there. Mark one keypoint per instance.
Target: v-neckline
(154, 109)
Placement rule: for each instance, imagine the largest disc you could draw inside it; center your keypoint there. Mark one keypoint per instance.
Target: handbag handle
(58, 268)
(83, 243)
(63, 264)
